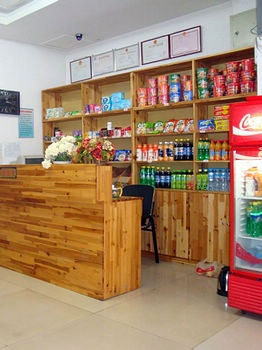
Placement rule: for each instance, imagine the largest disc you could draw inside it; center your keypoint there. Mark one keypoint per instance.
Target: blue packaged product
(125, 104)
(117, 97)
(106, 107)
(116, 106)
(188, 95)
(105, 100)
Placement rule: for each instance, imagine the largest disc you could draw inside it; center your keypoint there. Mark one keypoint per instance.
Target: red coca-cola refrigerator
(245, 277)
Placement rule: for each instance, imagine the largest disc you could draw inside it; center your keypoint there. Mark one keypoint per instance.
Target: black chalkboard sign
(9, 102)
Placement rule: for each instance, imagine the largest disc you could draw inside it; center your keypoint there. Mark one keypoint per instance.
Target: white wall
(215, 23)
(28, 69)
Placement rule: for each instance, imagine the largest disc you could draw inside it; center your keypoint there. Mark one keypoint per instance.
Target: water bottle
(152, 179)
(148, 176)
(157, 177)
(178, 180)
(223, 180)
(200, 153)
(173, 179)
(142, 175)
(168, 178)
(216, 180)
(204, 180)
(210, 175)
(176, 149)
(199, 180)
(228, 180)
(183, 179)
(162, 177)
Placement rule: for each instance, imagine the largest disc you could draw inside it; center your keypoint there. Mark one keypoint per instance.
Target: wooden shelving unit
(176, 211)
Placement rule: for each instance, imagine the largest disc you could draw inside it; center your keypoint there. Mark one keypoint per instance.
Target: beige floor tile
(26, 313)
(97, 332)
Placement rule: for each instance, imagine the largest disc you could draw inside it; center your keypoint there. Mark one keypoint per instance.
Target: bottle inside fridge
(248, 211)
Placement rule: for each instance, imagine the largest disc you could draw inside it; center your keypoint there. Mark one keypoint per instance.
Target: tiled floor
(174, 309)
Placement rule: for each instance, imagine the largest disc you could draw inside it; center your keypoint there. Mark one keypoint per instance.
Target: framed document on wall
(80, 69)
(185, 42)
(103, 63)
(9, 102)
(154, 50)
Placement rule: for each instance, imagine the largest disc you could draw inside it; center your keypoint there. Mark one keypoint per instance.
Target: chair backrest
(147, 192)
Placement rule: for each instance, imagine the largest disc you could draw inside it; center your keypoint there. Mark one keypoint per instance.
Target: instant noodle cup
(152, 82)
(232, 66)
(248, 64)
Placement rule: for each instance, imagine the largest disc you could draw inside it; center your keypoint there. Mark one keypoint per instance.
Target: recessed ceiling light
(12, 10)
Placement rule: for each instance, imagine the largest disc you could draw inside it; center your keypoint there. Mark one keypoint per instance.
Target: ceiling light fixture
(14, 10)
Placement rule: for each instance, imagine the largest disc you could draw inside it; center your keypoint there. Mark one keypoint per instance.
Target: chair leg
(154, 240)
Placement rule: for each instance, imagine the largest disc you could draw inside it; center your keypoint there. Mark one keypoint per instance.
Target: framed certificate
(185, 42)
(103, 63)
(80, 69)
(127, 57)
(155, 49)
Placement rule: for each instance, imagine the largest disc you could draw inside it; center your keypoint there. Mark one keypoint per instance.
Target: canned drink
(212, 72)
(163, 99)
(248, 64)
(188, 85)
(152, 83)
(152, 100)
(233, 89)
(248, 75)
(202, 73)
(188, 95)
(232, 66)
(175, 97)
(202, 83)
(219, 80)
(219, 91)
(203, 93)
(247, 86)
(174, 78)
(232, 77)
(152, 91)
(174, 88)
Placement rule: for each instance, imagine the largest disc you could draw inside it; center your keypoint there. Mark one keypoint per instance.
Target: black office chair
(147, 192)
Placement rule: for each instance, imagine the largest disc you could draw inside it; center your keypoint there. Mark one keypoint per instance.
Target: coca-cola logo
(251, 122)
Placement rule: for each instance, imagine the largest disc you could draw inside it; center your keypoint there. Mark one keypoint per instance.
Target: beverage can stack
(202, 83)
(141, 97)
(163, 89)
(174, 87)
(152, 91)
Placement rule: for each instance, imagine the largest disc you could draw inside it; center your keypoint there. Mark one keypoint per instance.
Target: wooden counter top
(64, 228)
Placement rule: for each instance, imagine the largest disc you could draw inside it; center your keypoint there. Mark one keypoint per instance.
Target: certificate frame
(185, 42)
(103, 63)
(127, 57)
(80, 69)
(154, 50)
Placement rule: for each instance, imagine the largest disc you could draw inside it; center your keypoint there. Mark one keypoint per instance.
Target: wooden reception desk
(61, 225)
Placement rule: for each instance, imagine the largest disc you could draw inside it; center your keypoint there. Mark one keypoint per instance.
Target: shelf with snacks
(156, 100)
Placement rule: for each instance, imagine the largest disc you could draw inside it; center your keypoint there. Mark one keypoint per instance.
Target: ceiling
(55, 25)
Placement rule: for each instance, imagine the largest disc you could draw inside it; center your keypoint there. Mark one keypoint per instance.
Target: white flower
(46, 164)
(65, 146)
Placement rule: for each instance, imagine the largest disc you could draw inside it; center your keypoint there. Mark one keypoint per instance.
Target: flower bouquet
(95, 149)
(60, 150)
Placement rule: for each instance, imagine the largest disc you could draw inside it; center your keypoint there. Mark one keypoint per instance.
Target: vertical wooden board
(122, 258)
(182, 232)
(223, 228)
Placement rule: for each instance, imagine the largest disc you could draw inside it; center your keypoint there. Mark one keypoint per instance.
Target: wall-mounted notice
(26, 123)
(103, 63)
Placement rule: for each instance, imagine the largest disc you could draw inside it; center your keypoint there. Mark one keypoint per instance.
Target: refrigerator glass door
(248, 210)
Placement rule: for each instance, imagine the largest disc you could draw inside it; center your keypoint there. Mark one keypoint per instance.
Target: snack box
(222, 124)
(206, 125)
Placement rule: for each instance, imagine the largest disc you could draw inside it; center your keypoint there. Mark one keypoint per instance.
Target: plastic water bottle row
(213, 179)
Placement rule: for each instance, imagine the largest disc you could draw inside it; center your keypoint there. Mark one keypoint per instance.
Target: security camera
(79, 36)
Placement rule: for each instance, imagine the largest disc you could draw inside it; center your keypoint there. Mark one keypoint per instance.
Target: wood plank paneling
(191, 226)
(63, 225)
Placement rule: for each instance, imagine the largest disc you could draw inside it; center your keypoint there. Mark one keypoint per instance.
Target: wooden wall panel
(191, 226)
(56, 224)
